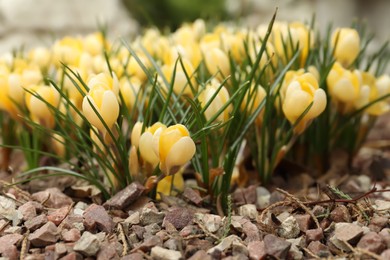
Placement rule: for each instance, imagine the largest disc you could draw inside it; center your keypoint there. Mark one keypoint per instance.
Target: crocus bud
(300, 93)
(134, 165)
(176, 148)
(343, 85)
(252, 100)
(181, 85)
(149, 143)
(216, 104)
(105, 81)
(106, 104)
(136, 134)
(346, 44)
(217, 61)
(130, 91)
(67, 51)
(368, 94)
(58, 145)
(286, 37)
(39, 110)
(40, 56)
(383, 85)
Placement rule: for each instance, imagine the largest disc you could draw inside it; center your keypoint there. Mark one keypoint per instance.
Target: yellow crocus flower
(176, 148)
(300, 93)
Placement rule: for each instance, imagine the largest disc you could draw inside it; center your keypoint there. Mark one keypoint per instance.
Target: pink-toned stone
(149, 244)
(372, 242)
(96, 216)
(133, 256)
(52, 198)
(200, 255)
(11, 252)
(71, 220)
(385, 234)
(179, 217)
(386, 254)
(192, 196)
(125, 197)
(250, 230)
(58, 215)
(304, 221)
(377, 223)
(7, 245)
(348, 232)
(276, 246)
(189, 230)
(60, 249)
(107, 251)
(340, 214)
(71, 235)
(36, 222)
(319, 249)
(314, 235)
(45, 235)
(256, 250)
(28, 210)
(72, 256)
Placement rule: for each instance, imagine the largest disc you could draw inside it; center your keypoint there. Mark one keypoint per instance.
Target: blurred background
(27, 23)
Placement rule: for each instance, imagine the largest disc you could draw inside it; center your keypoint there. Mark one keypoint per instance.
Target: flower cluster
(133, 105)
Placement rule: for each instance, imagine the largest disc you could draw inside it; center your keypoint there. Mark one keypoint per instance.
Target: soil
(297, 217)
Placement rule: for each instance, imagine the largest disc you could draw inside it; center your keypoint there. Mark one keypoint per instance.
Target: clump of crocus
(301, 93)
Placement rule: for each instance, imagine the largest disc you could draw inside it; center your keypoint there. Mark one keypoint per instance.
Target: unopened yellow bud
(136, 134)
(343, 85)
(217, 103)
(39, 109)
(252, 100)
(181, 86)
(346, 44)
(105, 81)
(129, 90)
(106, 105)
(368, 95)
(217, 62)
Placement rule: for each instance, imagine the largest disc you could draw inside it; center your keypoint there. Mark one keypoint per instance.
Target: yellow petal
(180, 153)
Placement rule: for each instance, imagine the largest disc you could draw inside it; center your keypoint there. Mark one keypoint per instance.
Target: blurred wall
(37, 22)
(33, 22)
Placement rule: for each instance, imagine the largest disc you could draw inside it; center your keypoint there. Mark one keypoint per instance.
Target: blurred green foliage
(172, 13)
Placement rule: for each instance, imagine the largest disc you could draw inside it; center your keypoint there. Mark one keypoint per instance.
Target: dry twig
(123, 238)
(297, 201)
